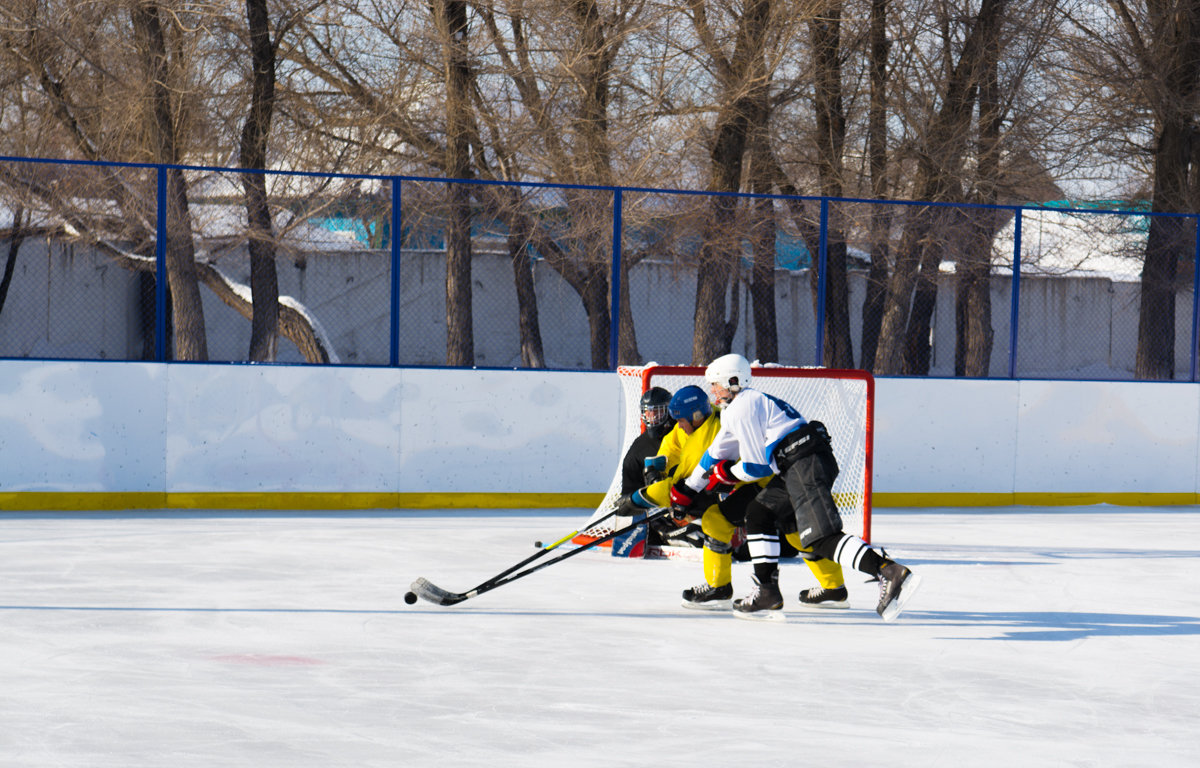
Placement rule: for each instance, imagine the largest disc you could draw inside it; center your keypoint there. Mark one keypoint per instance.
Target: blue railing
(652, 233)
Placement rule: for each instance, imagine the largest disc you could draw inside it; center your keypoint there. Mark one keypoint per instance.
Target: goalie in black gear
(639, 467)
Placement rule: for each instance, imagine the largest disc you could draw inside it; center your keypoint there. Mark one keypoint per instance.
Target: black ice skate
(708, 598)
(897, 585)
(819, 598)
(765, 602)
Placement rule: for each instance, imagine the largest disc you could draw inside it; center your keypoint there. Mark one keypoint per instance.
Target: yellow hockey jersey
(683, 452)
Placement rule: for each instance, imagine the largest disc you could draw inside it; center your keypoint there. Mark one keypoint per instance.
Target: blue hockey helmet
(688, 402)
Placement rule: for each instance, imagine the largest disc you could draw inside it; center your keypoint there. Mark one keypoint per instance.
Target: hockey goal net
(844, 400)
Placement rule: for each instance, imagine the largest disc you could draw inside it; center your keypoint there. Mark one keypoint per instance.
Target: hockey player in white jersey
(762, 435)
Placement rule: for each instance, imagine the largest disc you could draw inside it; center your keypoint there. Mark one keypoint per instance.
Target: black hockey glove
(632, 505)
(654, 469)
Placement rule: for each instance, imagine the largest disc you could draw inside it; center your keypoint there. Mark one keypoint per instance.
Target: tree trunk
(881, 215)
(741, 83)
(16, 237)
(716, 275)
(264, 280)
(187, 311)
(627, 346)
(918, 338)
(1177, 26)
(1166, 242)
(763, 234)
(532, 355)
(460, 338)
(825, 32)
(903, 339)
(973, 303)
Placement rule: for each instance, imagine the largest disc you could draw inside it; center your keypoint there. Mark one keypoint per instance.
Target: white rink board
(508, 431)
(72, 426)
(944, 436)
(271, 428)
(138, 427)
(1108, 435)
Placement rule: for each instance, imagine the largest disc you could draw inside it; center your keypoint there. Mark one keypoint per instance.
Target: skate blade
(712, 605)
(907, 590)
(840, 605)
(774, 616)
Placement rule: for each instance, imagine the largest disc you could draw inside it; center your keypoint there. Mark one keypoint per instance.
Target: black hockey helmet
(654, 407)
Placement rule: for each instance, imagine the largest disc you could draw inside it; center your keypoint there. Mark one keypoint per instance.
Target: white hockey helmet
(729, 371)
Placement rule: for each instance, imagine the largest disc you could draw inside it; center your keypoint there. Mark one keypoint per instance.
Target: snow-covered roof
(1057, 243)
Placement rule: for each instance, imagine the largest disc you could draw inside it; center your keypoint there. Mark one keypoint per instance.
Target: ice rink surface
(1065, 636)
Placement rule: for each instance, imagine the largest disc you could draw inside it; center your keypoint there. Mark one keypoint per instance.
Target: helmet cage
(654, 407)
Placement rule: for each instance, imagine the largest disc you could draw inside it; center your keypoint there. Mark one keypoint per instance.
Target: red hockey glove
(682, 499)
(720, 477)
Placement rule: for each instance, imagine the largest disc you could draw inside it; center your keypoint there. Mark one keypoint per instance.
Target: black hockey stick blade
(427, 590)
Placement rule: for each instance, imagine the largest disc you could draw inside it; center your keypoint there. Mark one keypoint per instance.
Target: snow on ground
(1040, 637)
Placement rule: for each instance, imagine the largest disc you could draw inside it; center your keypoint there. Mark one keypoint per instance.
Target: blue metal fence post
(1016, 296)
(394, 346)
(822, 260)
(1195, 297)
(160, 267)
(614, 337)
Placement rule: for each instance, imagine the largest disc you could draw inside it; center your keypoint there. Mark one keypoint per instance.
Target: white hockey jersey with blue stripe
(751, 426)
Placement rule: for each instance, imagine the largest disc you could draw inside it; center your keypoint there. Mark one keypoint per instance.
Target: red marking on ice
(267, 660)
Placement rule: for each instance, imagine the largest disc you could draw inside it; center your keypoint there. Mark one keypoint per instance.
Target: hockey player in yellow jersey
(696, 424)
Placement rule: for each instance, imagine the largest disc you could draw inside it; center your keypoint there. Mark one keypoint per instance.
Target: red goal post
(843, 399)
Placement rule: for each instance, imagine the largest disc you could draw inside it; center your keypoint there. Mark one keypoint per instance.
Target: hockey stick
(411, 597)
(427, 590)
(543, 549)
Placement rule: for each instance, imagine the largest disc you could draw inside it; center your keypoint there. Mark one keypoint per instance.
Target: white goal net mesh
(842, 399)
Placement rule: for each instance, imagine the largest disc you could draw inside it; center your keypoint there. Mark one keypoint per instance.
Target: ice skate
(897, 584)
(821, 599)
(764, 603)
(704, 597)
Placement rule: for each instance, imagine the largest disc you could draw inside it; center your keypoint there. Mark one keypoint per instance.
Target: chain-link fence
(379, 270)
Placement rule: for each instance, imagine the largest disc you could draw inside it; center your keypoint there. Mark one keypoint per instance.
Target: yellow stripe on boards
(40, 501)
(1040, 499)
(46, 501)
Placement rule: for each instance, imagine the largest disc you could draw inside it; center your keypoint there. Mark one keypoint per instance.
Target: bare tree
(825, 31)
(877, 172)
(450, 19)
(1151, 62)
(904, 336)
(252, 154)
(118, 81)
(740, 77)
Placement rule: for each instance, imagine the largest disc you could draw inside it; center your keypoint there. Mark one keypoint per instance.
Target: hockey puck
(410, 597)
(537, 544)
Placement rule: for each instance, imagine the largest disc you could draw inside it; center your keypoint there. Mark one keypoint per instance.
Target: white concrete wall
(70, 302)
(129, 428)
